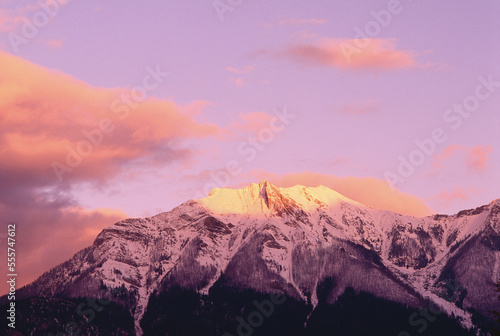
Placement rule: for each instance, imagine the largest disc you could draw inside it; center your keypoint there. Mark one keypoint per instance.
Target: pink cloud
(475, 159)
(9, 20)
(42, 123)
(350, 54)
(447, 197)
(246, 69)
(243, 71)
(478, 158)
(12, 19)
(447, 153)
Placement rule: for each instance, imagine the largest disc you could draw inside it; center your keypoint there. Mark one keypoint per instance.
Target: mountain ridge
(289, 239)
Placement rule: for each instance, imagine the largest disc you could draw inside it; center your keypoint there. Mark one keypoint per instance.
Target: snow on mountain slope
(289, 239)
(264, 197)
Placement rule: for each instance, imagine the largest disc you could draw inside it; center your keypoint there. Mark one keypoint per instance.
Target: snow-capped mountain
(291, 240)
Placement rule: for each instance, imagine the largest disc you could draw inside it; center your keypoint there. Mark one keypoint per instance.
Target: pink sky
(162, 102)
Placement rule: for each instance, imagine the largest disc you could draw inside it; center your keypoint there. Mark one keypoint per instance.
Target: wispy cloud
(478, 158)
(376, 54)
(11, 19)
(475, 159)
(239, 81)
(246, 69)
(459, 193)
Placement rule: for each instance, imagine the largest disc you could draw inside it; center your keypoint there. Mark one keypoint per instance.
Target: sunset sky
(110, 109)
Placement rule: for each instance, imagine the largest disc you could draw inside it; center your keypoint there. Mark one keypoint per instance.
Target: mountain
(316, 248)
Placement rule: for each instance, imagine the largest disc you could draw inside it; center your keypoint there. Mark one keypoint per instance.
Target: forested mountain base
(228, 311)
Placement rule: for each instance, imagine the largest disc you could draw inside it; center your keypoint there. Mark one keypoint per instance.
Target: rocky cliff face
(292, 240)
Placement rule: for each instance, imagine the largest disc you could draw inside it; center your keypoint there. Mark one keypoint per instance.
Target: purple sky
(354, 114)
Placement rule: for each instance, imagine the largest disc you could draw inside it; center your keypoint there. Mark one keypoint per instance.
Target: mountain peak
(266, 198)
(255, 198)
